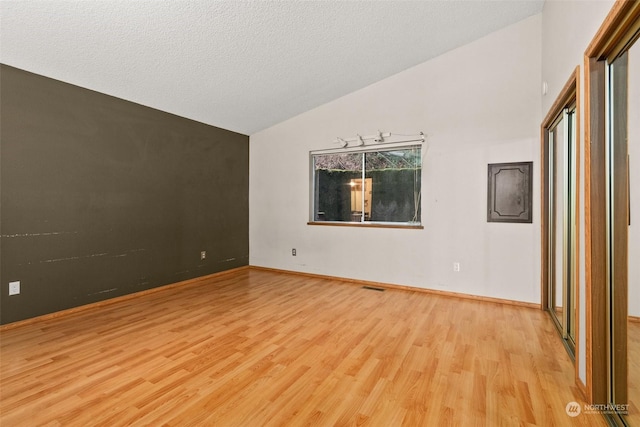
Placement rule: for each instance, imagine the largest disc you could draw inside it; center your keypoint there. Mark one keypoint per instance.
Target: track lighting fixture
(378, 138)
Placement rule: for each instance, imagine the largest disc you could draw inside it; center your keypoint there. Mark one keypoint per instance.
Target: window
(369, 186)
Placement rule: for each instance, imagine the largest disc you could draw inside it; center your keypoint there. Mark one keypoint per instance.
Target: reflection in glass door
(617, 222)
(622, 237)
(561, 224)
(633, 322)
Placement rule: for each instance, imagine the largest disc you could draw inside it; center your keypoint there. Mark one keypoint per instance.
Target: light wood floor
(262, 348)
(633, 381)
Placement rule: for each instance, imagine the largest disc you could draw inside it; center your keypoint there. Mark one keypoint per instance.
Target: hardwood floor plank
(633, 382)
(257, 348)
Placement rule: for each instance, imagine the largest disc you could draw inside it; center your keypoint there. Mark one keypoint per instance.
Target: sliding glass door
(623, 131)
(633, 237)
(559, 200)
(561, 173)
(612, 62)
(617, 223)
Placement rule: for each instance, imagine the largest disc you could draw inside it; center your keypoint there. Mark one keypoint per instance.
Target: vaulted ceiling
(239, 65)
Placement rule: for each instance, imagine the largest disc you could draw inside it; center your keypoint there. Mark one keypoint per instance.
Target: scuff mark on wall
(103, 292)
(74, 258)
(130, 251)
(86, 256)
(181, 272)
(52, 233)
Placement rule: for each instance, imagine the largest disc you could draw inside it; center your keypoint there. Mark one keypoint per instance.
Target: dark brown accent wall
(101, 197)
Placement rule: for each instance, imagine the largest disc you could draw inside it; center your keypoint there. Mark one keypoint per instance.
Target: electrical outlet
(293, 252)
(203, 254)
(14, 288)
(456, 267)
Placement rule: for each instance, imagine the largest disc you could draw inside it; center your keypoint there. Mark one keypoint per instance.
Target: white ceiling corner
(239, 65)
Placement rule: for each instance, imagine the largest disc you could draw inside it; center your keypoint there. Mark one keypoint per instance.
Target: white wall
(567, 29)
(478, 104)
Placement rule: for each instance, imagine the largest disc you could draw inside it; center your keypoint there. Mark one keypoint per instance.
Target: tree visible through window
(368, 186)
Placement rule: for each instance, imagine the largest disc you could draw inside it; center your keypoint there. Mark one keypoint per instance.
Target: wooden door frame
(614, 35)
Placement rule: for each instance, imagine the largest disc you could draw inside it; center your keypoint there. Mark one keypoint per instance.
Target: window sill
(367, 224)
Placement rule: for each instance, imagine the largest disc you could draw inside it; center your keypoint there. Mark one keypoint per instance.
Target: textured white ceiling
(242, 66)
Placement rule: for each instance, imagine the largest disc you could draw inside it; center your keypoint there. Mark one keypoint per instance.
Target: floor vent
(371, 288)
